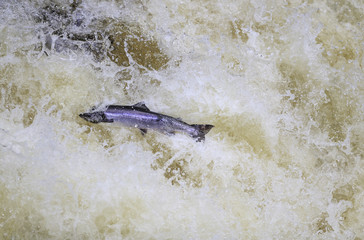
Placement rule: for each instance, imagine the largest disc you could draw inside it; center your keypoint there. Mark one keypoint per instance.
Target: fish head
(94, 117)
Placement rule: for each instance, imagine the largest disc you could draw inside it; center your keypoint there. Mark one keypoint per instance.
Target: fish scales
(139, 116)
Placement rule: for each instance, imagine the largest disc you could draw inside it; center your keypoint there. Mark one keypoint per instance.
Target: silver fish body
(139, 116)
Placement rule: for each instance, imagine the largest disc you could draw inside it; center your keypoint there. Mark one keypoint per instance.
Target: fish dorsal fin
(142, 106)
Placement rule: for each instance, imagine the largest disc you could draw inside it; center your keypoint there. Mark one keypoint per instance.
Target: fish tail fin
(202, 129)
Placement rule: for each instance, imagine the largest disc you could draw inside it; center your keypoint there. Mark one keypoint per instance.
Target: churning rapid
(281, 81)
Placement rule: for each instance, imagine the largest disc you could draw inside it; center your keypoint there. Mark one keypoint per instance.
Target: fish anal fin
(170, 132)
(141, 105)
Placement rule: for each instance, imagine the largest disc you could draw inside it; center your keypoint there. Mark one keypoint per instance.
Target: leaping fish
(139, 116)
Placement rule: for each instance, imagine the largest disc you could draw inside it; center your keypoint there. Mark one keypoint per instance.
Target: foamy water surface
(282, 81)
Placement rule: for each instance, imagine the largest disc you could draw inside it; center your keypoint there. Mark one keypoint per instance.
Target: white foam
(270, 168)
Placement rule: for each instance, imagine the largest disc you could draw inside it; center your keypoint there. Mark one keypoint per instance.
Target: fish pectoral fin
(142, 106)
(143, 131)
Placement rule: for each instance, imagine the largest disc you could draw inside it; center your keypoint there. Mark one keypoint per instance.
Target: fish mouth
(94, 117)
(90, 117)
(85, 116)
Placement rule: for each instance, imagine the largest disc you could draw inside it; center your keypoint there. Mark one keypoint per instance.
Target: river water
(282, 81)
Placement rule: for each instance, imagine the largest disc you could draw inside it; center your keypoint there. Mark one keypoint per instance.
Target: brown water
(282, 82)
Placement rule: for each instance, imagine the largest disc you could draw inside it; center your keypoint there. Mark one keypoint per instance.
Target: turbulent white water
(282, 81)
